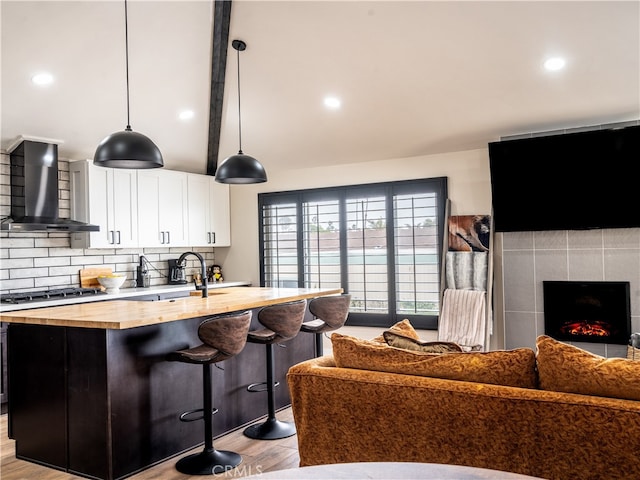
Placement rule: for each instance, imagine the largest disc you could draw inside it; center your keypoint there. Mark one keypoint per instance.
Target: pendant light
(240, 168)
(127, 149)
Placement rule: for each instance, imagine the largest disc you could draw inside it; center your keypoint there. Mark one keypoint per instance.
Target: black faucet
(203, 267)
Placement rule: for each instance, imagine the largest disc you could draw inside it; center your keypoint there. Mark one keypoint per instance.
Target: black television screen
(573, 181)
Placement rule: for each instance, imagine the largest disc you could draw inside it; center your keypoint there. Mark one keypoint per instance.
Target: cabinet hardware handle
(168, 237)
(213, 234)
(208, 237)
(118, 237)
(162, 237)
(110, 238)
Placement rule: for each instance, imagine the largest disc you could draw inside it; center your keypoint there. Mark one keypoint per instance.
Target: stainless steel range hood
(34, 190)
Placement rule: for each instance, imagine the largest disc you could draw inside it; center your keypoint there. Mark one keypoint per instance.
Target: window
(380, 242)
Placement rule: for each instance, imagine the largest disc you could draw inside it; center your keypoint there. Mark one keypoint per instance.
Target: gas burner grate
(42, 295)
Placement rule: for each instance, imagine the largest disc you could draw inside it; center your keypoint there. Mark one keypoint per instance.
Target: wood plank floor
(258, 456)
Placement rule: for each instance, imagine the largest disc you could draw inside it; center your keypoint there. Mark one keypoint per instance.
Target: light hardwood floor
(258, 456)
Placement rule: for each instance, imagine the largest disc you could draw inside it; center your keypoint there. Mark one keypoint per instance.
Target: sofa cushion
(566, 368)
(403, 327)
(504, 367)
(401, 341)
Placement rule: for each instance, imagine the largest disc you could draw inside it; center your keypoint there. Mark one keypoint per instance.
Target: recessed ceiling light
(186, 115)
(332, 102)
(555, 63)
(42, 79)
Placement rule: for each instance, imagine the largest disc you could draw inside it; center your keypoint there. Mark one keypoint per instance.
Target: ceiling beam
(220, 39)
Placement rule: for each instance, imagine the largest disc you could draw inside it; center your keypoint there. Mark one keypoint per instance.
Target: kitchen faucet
(203, 267)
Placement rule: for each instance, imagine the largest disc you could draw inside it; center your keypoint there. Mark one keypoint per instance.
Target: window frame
(437, 186)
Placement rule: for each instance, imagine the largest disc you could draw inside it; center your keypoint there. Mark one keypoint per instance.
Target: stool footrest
(260, 386)
(185, 417)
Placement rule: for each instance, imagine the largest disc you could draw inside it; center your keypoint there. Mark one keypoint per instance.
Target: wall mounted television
(573, 181)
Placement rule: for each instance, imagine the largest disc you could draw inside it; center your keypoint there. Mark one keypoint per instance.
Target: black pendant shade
(240, 168)
(127, 149)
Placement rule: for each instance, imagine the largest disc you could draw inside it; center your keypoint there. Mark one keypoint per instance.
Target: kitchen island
(90, 391)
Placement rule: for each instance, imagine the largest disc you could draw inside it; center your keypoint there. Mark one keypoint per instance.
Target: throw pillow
(403, 327)
(400, 341)
(567, 368)
(514, 368)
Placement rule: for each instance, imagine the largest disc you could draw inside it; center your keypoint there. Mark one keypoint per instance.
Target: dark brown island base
(90, 391)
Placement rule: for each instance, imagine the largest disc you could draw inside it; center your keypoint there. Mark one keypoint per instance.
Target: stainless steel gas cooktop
(43, 295)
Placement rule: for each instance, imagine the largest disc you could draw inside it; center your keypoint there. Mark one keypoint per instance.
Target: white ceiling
(415, 77)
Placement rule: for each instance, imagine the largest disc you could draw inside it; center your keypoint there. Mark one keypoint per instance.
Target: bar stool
(282, 322)
(330, 314)
(223, 337)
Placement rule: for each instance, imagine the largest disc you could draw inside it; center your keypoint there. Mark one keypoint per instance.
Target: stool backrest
(284, 319)
(226, 333)
(332, 310)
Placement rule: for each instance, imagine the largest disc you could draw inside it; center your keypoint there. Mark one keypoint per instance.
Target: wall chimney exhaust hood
(34, 189)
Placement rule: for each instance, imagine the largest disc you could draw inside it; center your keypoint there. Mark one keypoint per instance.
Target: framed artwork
(469, 233)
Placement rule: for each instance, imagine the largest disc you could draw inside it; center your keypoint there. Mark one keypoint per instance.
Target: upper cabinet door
(125, 207)
(162, 208)
(149, 209)
(209, 219)
(199, 210)
(220, 215)
(105, 197)
(174, 208)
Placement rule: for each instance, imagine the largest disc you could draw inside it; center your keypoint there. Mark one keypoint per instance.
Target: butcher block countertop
(123, 314)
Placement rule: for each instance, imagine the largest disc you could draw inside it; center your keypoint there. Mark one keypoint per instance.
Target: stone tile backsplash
(528, 258)
(41, 260)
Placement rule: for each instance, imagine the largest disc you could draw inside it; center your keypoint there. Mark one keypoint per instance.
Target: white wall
(468, 185)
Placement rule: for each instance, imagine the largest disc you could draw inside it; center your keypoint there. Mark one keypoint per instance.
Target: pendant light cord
(126, 55)
(239, 114)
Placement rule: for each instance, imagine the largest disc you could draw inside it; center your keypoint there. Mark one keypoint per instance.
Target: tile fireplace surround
(528, 258)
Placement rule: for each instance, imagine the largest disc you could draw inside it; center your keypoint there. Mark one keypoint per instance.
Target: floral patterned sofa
(558, 413)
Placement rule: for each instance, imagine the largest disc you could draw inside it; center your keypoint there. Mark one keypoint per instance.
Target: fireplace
(595, 312)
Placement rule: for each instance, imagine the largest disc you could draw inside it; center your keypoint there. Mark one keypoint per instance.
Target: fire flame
(587, 328)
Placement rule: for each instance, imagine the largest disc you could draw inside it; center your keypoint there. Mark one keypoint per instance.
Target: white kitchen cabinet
(148, 208)
(106, 197)
(220, 214)
(162, 208)
(209, 218)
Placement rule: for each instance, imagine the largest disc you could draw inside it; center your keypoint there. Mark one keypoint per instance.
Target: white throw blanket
(463, 318)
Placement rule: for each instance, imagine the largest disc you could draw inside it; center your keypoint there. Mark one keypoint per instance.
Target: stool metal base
(208, 462)
(271, 429)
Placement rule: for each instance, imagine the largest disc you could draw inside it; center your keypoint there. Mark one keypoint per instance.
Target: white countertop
(124, 293)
